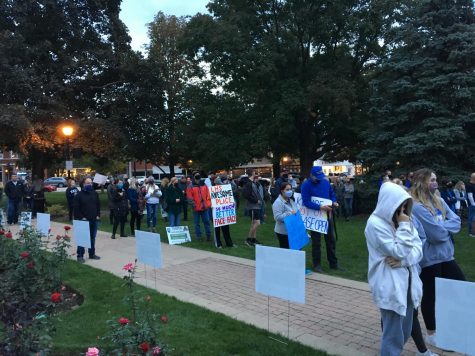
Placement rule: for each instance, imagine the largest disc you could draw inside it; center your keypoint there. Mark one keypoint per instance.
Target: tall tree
(56, 56)
(301, 65)
(423, 98)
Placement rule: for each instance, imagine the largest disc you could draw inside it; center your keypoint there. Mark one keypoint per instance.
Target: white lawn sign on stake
(81, 233)
(149, 251)
(178, 234)
(43, 223)
(455, 315)
(25, 219)
(280, 273)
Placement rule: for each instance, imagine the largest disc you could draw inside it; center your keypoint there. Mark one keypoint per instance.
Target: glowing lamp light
(67, 130)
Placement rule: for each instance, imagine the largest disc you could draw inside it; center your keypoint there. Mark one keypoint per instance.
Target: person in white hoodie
(152, 197)
(395, 250)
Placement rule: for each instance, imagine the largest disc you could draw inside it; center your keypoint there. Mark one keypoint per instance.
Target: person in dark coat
(120, 209)
(71, 193)
(87, 207)
(38, 196)
(174, 197)
(14, 190)
(183, 185)
(137, 203)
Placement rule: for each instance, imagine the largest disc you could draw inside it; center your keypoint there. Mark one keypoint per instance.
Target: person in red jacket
(198, 197)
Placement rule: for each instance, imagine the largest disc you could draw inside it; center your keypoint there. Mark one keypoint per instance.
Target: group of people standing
(24, 195)
(410, 242)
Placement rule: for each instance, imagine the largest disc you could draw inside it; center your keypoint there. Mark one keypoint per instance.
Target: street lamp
(68, 132)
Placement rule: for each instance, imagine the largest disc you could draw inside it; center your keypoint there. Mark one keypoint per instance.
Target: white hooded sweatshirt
(389, 285)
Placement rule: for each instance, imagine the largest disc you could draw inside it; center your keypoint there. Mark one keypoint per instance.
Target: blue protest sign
(296, 231)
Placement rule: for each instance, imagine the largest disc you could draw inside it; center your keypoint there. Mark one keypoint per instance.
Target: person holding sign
(283, 207)
(199, 199)
(87, 207)
(223, 180)
(319, 186)
(439, 223)
(395, 250)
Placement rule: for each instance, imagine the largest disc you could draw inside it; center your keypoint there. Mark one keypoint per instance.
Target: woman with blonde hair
(461, 195)
(439, 223)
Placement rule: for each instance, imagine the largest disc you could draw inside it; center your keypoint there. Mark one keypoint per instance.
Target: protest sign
(81, 233)
(43, 223)
(280, 273)
(178, 235)
(296, 232)
(455, 315)
(222, 201)
(149, 250)
(25, 219)
(314, 220)
(99, 179)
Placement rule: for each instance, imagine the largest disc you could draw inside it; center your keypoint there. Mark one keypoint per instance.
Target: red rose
(67, 228)
(123, 321)
(24, 255)
(30, 265)
(2, 232)
(58, 237)
(56, 297)
(8, 235)
(144, 346)
(164, 319)
(156, 350)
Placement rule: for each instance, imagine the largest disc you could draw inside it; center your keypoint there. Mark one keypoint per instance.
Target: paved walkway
(338, 316)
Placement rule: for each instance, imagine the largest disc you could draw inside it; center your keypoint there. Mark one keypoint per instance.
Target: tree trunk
(307, 144)
(276, 166)
(171, 166)
(37, 164)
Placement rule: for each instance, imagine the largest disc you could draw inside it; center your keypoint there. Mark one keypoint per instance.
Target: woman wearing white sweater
(395, 250)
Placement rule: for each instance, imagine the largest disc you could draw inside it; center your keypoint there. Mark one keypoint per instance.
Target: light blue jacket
(281, 210)
(439, 245)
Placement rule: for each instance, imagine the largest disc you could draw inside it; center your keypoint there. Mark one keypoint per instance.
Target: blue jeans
(471, 218)
(13, 211)
(348, 202)
(174, 219)
(93, 225)
(152, 215)
(205, 217)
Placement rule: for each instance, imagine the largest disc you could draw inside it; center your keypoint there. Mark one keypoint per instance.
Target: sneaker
(318, 269)
(113, 237)
(471, 235)
(249, 243)
(256, 242)
(81, 260)
(430, 339)
(234, 246)
(220, 247)
(95, 257)
(427, 353)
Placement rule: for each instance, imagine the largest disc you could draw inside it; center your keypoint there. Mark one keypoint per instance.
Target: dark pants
(348, 211)
(283, 240)
(71, 209)
(185, 211)
(330, 245)
(119, 219)
(93, 231)
(448, 270)
(135, 221)
(416, 334)
(111, 216)
(226, 234)
(13, 211)
(38, 207)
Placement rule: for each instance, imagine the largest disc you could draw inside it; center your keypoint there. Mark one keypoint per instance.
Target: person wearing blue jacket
(439, 223)
(319, 186)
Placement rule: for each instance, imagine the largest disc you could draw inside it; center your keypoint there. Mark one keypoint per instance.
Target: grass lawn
(190, 330)
(351, 244)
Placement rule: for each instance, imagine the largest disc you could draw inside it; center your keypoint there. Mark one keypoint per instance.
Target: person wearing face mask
(319, 186)
(71, 193)
(87, 207)
(121, 209)
(439, 223)
(222, 179)
(253, 191)
(199, 199)
(283, 206)
(174, 198)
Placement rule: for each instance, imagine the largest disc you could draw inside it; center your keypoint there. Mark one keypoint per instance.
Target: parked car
(56, 181)
(49, 188)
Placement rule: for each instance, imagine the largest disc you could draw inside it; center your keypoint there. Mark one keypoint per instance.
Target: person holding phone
(283, 207)
(395, 250)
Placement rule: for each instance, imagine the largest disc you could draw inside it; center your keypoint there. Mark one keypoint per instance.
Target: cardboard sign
(178, 234)
(99, 179)
(148, 248)
(314, 220)
(455, 315)
(221, 195)
(280, 273)
(25, 219)
(81, 233)
(43, 223)
(224, 215)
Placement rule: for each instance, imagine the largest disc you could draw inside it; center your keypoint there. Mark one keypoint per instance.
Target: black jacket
(71, 192)
(14, 192)
(87, 205)
(120, 203)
